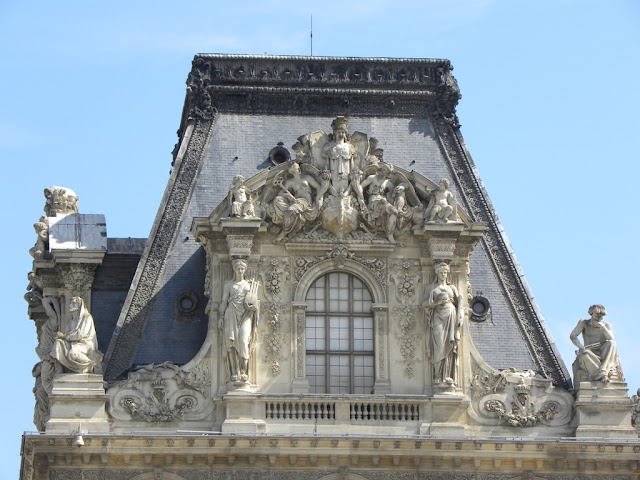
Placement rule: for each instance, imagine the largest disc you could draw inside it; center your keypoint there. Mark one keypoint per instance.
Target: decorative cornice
(319, 85)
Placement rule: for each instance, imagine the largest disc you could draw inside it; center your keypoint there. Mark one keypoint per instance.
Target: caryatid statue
(444, 322)
(599, 354)
(239, 312)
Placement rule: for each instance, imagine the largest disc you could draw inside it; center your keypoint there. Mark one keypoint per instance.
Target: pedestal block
(77, 404)
(603, 411)
(243, 414)
(449, 417)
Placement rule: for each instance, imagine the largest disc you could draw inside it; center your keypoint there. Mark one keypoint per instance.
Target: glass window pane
(340, 374)
(342, 303)
(339, 333)
(316, 373)
(315, 333)
(363, 374)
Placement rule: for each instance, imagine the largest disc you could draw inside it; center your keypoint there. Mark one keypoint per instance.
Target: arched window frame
(381, 385)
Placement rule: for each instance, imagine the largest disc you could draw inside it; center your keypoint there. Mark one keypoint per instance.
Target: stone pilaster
(300, 384)
(382, 383)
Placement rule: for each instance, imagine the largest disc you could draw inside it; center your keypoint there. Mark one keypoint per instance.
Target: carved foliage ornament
(274, 339)
(274, 273)
(405, 319)
(405, 275)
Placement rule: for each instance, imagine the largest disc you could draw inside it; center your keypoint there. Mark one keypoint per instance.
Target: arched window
(339, 335)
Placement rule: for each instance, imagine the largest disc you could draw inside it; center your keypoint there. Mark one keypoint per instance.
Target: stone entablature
(191, 456)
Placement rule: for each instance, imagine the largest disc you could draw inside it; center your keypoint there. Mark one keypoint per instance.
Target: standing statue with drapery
(444, 322)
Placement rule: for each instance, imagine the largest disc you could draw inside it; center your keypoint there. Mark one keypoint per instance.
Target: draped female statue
(444, 321)
(238, 321)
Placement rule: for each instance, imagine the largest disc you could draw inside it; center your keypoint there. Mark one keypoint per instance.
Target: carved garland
(273, 339)
(473, 197)
(122, 351)
(405, 319)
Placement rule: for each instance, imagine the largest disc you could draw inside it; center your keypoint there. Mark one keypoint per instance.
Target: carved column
(300, 384)
(382, 383)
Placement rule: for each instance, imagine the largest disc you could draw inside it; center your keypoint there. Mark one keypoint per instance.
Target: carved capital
(441, 248)
(78, 278)
(240, 245)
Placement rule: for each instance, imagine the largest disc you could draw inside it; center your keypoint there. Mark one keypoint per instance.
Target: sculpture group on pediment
(294, 199)
(596, 360)
(339, 182)
(238, 321)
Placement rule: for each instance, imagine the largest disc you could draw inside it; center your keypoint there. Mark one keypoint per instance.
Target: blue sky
(92, 92)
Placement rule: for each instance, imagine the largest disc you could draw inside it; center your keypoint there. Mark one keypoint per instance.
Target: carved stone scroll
(518, 398)
(161, 393)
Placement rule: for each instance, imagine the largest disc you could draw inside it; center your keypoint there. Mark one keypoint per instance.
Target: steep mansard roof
(237, 108)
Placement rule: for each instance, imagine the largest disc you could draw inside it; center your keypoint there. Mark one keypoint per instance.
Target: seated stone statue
(442, 205)
(240, 199)
(77, 348)
(598, 358)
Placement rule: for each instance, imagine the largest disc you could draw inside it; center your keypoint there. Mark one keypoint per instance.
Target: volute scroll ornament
(161, 393)
(518, 398)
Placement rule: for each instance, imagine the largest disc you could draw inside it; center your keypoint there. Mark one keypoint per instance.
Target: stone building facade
(326, 293)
